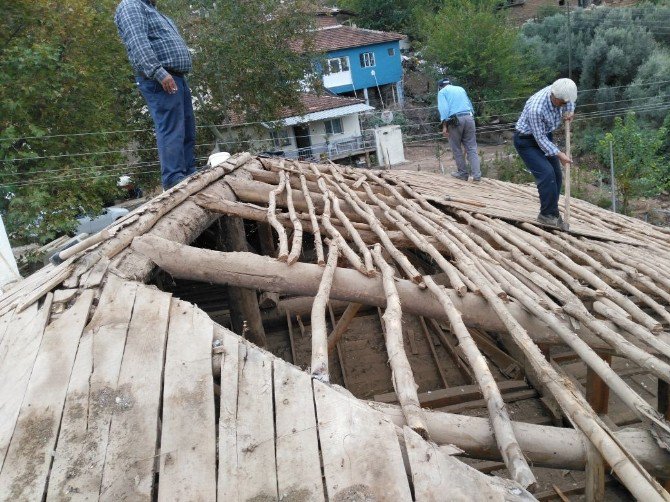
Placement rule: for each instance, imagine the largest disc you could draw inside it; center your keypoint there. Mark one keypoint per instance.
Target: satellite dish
(387, 116)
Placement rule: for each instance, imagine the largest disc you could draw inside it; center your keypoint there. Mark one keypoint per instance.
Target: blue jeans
(547, 172)
(175, 128)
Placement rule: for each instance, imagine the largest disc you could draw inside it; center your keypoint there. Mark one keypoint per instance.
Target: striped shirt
(540, 117)
(152, 40)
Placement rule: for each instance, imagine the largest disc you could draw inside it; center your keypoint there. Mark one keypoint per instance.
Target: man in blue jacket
(458, 126)
(161, 60)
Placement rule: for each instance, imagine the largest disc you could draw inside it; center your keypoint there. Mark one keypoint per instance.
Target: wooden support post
(267, 240)
(597, 392)
(595, 474)
(664, 407)
(338, 347)
(342, 325)
(294, 359)
(429, 339)
(243, 302)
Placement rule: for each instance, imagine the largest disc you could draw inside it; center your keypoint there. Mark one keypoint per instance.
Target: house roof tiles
(343, 37)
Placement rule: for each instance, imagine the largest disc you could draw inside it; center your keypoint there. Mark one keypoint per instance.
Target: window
(337, 65)
(391, 51)
(333, 126)
(367, 59)
(280, 138)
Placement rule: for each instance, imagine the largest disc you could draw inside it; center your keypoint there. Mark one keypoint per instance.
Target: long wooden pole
(567, 174)
(402, 376)
(319, 333)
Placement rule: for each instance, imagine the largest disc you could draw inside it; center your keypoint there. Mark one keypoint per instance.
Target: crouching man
(533, 139)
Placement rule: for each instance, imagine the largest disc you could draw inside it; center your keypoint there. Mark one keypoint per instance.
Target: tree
(401, 16)
(59, 75)
(639, 167)
(252, 58)
(472, 42)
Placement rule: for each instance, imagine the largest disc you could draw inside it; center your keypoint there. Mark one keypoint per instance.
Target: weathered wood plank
(24, 473)
(360, 450)
(438, 477)
(91, 397)
(257, 472)
(188, 440)
(227, 484)
(18, 351)
(298, 463)
(129, 462)
(96, 274)
(4, 324)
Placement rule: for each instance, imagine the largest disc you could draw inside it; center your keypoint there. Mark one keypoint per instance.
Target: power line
(92, 133)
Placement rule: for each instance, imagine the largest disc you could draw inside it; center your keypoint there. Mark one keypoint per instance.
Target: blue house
(361, 63)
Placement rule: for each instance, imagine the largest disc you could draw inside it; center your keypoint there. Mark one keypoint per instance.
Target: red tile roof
(343, 37)
(313, 103)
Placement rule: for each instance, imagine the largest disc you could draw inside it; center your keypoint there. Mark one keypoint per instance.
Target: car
(92, 225)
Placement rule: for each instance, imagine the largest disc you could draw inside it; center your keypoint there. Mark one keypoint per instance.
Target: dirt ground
(424, 156)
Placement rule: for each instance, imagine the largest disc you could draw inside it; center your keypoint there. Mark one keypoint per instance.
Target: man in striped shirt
(160, 59)
(533, 139)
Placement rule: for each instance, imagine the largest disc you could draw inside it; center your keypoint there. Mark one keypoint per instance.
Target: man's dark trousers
(175, 128)
(547, 172)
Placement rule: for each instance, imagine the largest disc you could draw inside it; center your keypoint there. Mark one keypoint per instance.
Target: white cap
(564, 89)
(123, 181)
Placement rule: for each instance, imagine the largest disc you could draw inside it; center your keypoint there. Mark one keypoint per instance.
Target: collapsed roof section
(469, 255)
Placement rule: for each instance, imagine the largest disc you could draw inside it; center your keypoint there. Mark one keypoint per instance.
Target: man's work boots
(459, 176)
(554, 221)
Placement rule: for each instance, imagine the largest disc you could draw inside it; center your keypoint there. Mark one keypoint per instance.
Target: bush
(508, 166)
(639, 168)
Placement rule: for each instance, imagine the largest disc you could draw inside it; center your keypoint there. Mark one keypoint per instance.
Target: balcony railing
(332, 150)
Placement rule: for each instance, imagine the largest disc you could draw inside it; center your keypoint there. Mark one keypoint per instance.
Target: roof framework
(116, 376)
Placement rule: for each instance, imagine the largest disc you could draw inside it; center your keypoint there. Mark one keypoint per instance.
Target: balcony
(333, 150)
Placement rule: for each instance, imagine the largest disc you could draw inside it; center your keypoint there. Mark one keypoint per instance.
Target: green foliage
(473, 42)
(507, 166)
(639, 168)
(611, 49)
(55, 78)
(246, 64)
(391, 15)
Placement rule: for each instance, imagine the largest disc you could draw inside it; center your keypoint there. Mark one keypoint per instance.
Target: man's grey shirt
(152, 40)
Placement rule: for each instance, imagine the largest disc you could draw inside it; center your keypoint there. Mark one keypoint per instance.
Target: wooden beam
(253, 271)
(243, 301)
(544, 446)
(597, 392)
(431, 346)
(342, 325)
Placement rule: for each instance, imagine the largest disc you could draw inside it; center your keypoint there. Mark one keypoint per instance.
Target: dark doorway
(302, 140)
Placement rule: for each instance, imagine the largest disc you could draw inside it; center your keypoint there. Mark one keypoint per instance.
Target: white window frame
(280, 138)
(328, 124)
(367, 59)
(341, 64)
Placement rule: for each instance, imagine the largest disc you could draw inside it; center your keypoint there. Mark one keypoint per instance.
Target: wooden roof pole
(319, 330)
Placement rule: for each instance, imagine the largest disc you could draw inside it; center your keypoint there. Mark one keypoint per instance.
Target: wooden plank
(454, 395)
(360, 450)
(437, 477)
(227, 484)
(257, 472)
(298, 461)
(188, 440)
(18, 351)
(97, 273)
(129, 462)
(24, 473)
(91, 397)
(4, 324)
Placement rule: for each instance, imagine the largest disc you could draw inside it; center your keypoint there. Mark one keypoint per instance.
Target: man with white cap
(541, 115)
(458, 126)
